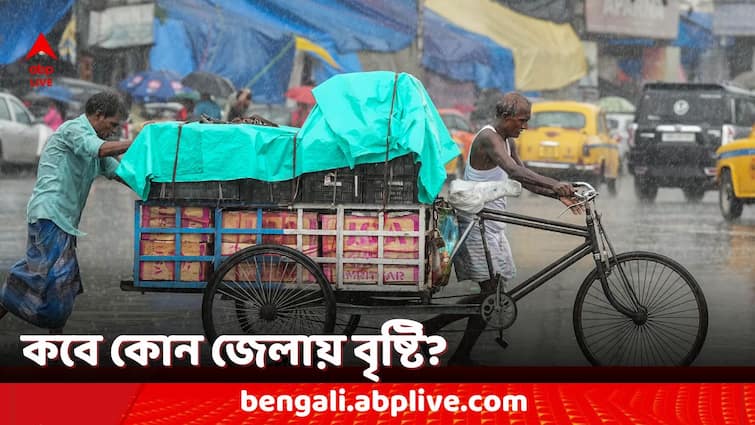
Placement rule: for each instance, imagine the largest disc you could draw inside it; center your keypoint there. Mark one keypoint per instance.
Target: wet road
(721, 256)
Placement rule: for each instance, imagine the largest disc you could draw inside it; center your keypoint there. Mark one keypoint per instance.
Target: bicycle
(650, 304)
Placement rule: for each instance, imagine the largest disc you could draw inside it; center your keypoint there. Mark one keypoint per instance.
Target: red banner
(377, 403)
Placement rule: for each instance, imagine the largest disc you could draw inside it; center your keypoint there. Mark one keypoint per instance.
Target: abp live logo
(39, 75)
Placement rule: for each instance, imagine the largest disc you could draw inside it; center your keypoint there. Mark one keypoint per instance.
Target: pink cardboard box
(247, 272)
(353, 246)
(238, 220)
(356, 246)
(365, 273)
(160, 247)
(287, 220)
(166, 217)
(367, 247)
(191, 271)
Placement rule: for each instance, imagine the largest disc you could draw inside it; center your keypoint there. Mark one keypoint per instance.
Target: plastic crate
(400, 190)
(402, 167)
(206, 190)
(277, 193)
(402, 181)
(341, 185)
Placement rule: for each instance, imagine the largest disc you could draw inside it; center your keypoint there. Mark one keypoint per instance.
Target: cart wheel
(268, 290)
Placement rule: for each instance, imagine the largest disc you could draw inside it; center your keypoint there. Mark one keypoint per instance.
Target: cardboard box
(230, 248)
(400, 246)
(357, 246)
(287, 220)
(166, 217)
(365, 273)
(352, 245)
(168, 247)
(367, 247)
(247, 272)
(190, 271)
(239, 220)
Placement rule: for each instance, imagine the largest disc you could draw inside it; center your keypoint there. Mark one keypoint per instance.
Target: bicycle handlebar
(585, 192)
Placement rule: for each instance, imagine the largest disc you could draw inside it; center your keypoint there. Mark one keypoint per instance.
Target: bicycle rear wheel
(670, 334)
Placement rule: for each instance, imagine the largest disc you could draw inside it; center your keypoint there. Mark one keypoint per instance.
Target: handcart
(316, 268)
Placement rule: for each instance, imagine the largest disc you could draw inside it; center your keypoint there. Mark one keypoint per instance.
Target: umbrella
(205, 82)
(153, 86)
(615, 104)
(58, 93)
(301, 94)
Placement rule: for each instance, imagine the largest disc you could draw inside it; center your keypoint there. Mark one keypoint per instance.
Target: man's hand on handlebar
(563, 189)
(573, 204)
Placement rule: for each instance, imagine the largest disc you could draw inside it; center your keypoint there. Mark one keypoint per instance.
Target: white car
(22, 136)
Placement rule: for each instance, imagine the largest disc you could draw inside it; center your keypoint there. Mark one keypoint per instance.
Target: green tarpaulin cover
(347, 127)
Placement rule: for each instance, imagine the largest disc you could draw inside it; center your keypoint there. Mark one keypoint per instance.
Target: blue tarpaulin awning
(223, 40)
(217, 34)
(465, 56)
(22, 22)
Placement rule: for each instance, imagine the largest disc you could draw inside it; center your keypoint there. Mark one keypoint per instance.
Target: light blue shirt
(207, 107)
(69, 164)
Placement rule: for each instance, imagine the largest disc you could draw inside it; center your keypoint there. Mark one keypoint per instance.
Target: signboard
(657, 19)
(123, 26)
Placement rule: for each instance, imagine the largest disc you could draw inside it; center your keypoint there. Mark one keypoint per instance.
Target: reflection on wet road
(721, 256)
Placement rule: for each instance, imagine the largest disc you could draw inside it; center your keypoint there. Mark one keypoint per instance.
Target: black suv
(678, 128)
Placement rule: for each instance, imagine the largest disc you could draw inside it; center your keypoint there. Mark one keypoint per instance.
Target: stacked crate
(163, 244)
(401, 181)
(189, 191)
(248, 190)
(364, 184)
(272, 193)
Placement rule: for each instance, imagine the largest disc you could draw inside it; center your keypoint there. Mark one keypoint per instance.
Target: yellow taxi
(570, 141)
(735, 173)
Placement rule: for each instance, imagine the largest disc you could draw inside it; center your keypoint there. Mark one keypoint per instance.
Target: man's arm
(531, 187)
(566, 200)
(113, 148)
(495, 147)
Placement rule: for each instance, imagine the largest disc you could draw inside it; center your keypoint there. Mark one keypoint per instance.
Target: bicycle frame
(589, 246)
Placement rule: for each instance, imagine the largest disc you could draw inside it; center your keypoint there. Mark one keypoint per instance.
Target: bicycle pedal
(502, 342)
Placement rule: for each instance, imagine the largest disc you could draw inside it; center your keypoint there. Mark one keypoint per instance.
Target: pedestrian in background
(41, 288)
(240, 104)
(186, 111)
(207, 106)
(300, 114)
(54, 116)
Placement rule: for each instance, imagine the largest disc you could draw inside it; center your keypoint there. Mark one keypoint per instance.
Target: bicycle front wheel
(670, 333)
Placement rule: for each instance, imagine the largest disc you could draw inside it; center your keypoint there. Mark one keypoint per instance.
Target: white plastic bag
(471, 196)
